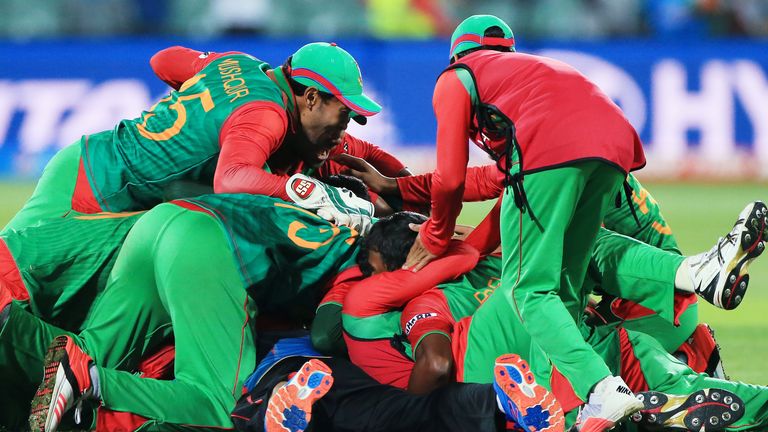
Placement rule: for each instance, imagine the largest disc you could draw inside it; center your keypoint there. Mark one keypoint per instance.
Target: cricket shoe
(720, 275)
(703, 411)
(610, 402)
(702, 353)
(527, 404)
(66, 383)
(290, 407)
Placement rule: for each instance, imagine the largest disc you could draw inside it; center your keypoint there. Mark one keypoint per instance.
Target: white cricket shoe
(610, 402)
(720, 275)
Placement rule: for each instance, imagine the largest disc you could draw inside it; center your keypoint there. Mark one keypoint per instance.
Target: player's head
(352, 184)
(481, 32)
(328, 87)
(387, 244)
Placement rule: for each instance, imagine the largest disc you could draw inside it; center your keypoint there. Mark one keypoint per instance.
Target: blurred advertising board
(701, 108)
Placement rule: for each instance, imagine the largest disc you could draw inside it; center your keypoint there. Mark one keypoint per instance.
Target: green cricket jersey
(285, 254)
(177, 139)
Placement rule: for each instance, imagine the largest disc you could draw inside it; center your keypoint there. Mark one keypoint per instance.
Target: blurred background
(691, 75)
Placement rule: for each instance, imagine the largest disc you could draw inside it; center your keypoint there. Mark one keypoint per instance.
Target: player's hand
(360, 168)
(333, 204)
(419, 256)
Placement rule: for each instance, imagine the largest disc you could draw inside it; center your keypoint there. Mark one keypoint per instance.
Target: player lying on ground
(356, 402)
(625, 267)
(75, 272)
(56, 278)
(227, 115)
(442, 339)
(163, 283)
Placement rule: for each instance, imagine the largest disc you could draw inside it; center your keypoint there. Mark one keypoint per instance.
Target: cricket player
(53, 277)
(250, 253)
(566, 149)
(441, 331)
(702, 353)
(230, 113)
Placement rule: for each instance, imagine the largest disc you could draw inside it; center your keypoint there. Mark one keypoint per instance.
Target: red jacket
(559, 115)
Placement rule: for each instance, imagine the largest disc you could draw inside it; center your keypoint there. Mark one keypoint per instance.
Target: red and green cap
(470, 34)
(329, 68)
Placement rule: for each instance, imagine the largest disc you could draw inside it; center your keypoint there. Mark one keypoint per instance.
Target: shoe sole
(707, 410)
(42, 408)
(751, 246)
(534, 408)
(290, 408)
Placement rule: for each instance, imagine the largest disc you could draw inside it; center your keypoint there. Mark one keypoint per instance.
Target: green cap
(327, 67)
(470, 34)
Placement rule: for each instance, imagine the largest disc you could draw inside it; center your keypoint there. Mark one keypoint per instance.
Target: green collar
(278, 77)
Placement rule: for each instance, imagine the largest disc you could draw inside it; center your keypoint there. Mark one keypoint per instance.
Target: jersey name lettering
(232, 80)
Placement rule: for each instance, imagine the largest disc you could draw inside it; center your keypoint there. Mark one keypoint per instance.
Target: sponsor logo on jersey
(303, 188)
(412, 322)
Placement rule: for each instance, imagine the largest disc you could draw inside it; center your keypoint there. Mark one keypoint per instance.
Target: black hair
(391, 237)
(353, 184)
(298, 88)
(493, 31)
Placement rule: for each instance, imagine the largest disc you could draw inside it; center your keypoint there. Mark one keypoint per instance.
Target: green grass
(698, 215)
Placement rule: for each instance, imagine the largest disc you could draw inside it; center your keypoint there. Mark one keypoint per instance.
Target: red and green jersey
(178, 138)
(60, 275)
(285, 254)
(372, 312)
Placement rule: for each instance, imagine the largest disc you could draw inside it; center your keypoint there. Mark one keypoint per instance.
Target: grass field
(698, 215)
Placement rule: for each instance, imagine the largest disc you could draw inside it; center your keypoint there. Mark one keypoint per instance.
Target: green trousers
(545, 263)
(53, 194)
(175, 273)
(625, 268)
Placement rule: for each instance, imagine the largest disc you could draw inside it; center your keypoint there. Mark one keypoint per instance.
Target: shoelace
(731, 238)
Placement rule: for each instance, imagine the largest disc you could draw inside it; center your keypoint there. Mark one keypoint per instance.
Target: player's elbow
(438, 366)
(451, 184)
(162, 58)
(226, 181)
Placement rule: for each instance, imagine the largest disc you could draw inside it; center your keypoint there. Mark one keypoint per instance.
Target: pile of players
(142, 279)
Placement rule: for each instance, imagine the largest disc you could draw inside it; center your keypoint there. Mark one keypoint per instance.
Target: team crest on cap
(303, 188)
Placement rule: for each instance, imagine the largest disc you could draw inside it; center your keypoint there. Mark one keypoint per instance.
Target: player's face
(376, 262)
(323, 123)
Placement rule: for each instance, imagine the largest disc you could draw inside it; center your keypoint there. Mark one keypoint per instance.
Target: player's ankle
(683, 278)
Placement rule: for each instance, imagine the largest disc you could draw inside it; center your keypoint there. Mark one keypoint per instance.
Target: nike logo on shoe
(624, 390)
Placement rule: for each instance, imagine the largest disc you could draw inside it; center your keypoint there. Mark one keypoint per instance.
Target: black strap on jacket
(493, 124)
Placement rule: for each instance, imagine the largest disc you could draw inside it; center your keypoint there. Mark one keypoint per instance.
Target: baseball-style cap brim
(330, 69)
(360, 104)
